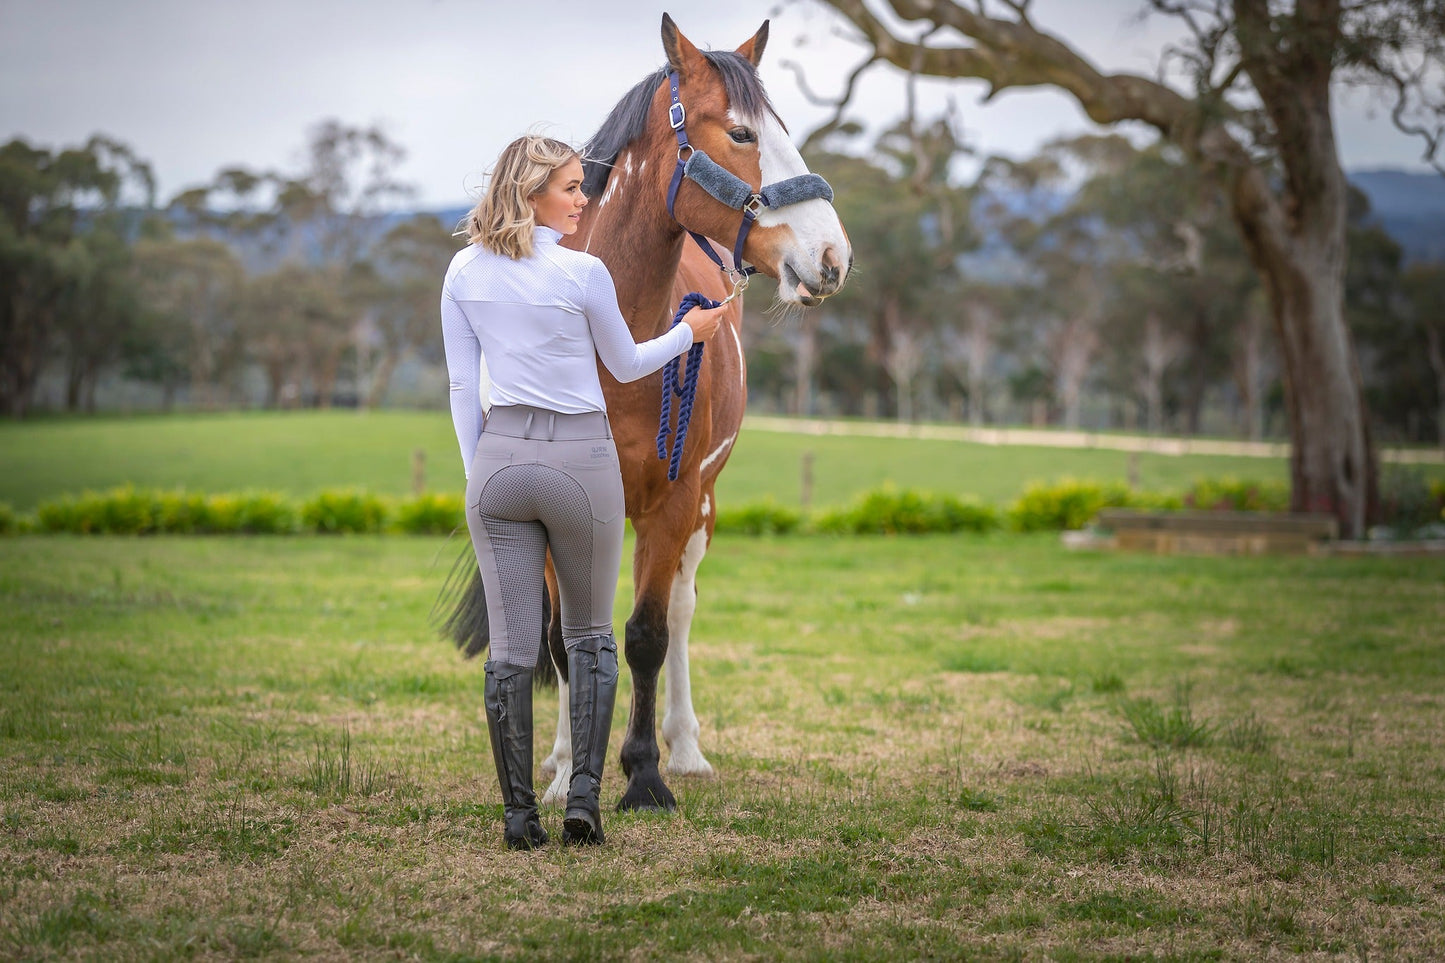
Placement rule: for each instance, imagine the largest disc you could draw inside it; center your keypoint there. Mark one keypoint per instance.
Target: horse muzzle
(809, 285)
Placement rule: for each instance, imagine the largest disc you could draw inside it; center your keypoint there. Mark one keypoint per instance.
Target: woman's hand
(704, 322)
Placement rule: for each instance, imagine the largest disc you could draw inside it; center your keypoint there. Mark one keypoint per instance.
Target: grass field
(302, 452)
(928, 747)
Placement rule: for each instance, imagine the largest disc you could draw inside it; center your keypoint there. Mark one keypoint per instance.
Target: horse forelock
(628, 119)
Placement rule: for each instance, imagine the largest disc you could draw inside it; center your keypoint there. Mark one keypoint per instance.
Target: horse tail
(464, 596)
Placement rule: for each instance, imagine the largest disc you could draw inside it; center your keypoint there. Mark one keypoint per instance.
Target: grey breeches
(542, 480)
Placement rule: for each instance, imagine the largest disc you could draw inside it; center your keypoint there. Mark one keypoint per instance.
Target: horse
(649, 192)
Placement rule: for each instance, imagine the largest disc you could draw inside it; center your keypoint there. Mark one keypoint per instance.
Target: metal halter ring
(754, 204)
(739, 280)
(690, 151)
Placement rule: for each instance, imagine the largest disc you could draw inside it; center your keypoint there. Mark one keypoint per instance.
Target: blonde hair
(502, 221)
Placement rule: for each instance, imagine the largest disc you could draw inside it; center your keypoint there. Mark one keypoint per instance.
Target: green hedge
(1065, 504)
(766, 517)
(891, 511)
(133, 511)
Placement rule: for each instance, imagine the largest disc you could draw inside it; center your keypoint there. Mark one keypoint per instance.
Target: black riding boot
(508, 698)
(592, 674)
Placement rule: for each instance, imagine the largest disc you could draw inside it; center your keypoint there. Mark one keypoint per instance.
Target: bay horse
(718, 99)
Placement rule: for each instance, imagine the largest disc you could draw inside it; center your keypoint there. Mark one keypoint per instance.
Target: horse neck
(629, 229)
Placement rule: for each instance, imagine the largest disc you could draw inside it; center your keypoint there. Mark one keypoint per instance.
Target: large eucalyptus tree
(1249, 102)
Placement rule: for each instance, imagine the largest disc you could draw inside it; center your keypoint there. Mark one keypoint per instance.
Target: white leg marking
(559, 763)
(679, 722)
(706, 506)
(713, 456)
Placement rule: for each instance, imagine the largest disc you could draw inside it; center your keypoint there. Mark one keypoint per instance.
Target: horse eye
(741, 135)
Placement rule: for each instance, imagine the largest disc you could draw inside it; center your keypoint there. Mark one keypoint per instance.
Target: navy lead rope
(686, 391)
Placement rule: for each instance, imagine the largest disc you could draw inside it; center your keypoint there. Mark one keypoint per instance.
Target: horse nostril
(830, 276)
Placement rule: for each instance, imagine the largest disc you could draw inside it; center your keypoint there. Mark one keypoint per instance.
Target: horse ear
(680, 50)
(753, 49)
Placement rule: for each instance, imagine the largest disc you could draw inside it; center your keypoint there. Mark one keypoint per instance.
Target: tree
(313, 227)
(398, 288)
(1259, 77)
(908, 224)
(1425, 293)
(192, 286)
(63, 224)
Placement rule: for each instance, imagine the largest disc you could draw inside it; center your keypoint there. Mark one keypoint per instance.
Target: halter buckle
(676, 116)
(754, 204)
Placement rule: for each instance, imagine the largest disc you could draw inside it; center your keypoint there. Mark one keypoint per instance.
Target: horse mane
(628, 119)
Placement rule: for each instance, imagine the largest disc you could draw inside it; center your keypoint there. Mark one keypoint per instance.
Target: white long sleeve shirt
(541, 322)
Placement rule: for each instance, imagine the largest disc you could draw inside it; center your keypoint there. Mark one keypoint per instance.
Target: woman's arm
(625, 358)
(464, 366)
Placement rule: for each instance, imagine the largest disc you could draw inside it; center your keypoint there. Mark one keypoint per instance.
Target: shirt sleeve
(626, 359)
(464, 367)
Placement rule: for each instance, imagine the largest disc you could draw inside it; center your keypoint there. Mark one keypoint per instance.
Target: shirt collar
(545, 235)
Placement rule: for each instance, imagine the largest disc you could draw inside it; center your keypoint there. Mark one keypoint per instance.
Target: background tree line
(288, 277)
(1096, 284)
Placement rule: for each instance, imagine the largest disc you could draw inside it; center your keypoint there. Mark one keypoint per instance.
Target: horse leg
(679, 722)
(655, 562)
(558, 765)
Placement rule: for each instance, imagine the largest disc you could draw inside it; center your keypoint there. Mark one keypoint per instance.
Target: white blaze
(814, 223)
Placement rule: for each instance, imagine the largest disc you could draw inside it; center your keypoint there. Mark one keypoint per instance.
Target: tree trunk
(92, 378)
(1247, 363)
(275, 378)
(1435, 352)
(73, 378)
(979, 341)
(1331, 461)
(901, 358)
(380, 379)
(805, 354)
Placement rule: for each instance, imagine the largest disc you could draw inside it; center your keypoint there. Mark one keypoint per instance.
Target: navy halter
(731, 190)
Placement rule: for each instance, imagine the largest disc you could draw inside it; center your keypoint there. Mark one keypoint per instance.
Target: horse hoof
(651, 796)
(556, 793)
(688, 763)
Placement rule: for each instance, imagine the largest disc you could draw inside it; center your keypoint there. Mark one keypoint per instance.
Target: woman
(542, 471)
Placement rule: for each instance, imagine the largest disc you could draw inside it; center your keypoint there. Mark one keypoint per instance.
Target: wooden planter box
(1218, 533)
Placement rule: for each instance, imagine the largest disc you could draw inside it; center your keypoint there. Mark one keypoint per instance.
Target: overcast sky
(197, 85)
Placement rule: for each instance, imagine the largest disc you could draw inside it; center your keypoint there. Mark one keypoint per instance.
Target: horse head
(743, 177)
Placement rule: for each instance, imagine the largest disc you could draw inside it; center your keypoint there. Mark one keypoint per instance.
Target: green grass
(300, 453)
(940, 747)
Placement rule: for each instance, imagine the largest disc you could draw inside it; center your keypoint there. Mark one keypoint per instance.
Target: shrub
(1066, 504)
(9, 524)
(765, 517)
(889, 511)
(257, 513)
(179, 512)
(1238, 495)
(343, 510)
(430, 514)
(1408, 501)
(120, 511)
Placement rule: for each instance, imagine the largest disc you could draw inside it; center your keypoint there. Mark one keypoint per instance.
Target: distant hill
(1410, 206)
